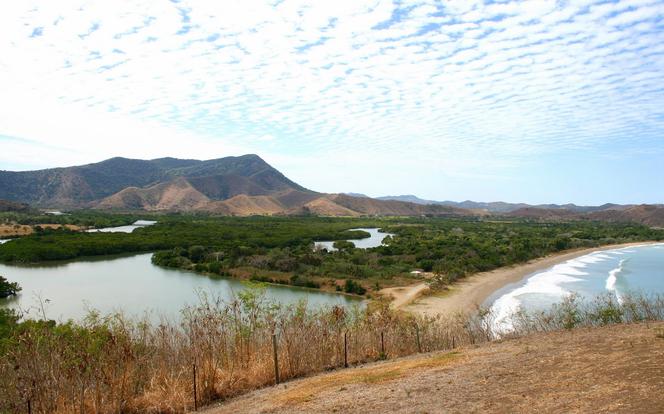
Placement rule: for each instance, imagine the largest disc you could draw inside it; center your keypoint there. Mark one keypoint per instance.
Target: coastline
(465, 296)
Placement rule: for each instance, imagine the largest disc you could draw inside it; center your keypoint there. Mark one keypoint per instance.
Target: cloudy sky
(536, 101)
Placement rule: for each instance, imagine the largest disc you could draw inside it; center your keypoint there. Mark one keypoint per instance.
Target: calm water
(375, 240)
(131, 284)
(618, 272)
(124, 229)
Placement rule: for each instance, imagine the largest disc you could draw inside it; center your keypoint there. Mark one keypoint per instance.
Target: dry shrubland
(113, 364)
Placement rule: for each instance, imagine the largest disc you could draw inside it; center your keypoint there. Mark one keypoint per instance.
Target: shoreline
(466, 295)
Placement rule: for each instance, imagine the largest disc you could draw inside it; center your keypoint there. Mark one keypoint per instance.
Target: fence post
(276, 358)
(417, 336)
(195, 391)
(382, 345)
(345, 350)
(29, 407)
(453, 342)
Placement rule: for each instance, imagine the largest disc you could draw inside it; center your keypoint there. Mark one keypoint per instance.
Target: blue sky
(535, 101)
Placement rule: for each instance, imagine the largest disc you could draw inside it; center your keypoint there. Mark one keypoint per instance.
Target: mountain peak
(87, 185)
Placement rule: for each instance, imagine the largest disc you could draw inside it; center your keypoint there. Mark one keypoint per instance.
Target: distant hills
(651, 215)
(10, 206)
(247, 185)
(500, 206)
(242, 185)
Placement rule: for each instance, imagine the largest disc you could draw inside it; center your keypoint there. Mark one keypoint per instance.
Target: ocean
(621, 271)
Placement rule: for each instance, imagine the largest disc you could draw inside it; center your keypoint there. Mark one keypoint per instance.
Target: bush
(352, 286)
(8, 288)
(343, 245)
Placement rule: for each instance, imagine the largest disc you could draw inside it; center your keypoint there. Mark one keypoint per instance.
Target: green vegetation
(280, 249)
(8, 288)
(82, 218)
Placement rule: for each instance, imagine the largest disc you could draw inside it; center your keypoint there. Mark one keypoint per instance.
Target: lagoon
(133, 285)
(124, 229)
(375, 239)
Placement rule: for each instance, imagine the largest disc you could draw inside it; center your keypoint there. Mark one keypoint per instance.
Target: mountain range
(503, 207)
(651, 215)
(243, 185)
(247, 185)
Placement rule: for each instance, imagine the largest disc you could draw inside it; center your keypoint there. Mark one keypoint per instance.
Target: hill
(7, 206)
(646, 214)
(500, 207)
(105, 182)
(241, 186)
(609, 369)
(650, 215)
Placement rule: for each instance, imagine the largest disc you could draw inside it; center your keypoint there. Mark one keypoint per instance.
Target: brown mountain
(647, 214)
(241, 186)
(6, 206)
(543, 213)
(650, 215)
(165, 183)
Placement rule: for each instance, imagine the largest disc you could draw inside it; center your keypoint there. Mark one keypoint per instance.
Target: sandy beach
(466, 295)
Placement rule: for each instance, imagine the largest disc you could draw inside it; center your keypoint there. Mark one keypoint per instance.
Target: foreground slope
(614, 369)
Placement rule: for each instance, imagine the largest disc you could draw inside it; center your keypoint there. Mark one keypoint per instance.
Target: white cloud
(464, 81)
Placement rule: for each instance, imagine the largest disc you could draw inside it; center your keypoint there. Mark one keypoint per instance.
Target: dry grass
(373, 374)
(11, 230)
(111, 364)
(614, 369)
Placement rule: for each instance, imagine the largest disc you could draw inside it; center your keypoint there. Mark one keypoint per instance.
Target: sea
(635, 269)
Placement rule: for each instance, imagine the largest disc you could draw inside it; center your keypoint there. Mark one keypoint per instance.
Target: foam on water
(551, 283)
(613, 278)
(548, 283)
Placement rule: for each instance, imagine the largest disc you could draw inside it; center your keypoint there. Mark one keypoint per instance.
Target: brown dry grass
(373, 374)
(10, 230)
(110, 365)
(617, 369)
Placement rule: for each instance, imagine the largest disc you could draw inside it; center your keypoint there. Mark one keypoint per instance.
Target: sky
(523, 101)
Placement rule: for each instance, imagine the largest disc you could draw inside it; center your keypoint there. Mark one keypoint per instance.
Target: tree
(343, 245)
(8, 288)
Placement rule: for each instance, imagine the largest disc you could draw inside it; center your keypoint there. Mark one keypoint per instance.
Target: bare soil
(615, 369)
(11, 230)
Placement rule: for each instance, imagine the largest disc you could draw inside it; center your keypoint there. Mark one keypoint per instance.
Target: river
(134, 285)
(375, 239)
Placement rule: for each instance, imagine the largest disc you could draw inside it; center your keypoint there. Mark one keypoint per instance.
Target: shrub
(352, 286)
(8, 288)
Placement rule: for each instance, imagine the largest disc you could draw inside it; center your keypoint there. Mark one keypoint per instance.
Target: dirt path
(617, 369)
(404, 295)
(467, 294)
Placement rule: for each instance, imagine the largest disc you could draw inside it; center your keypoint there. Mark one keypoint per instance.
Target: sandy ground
(10, 230)
(404, 295)
(614, 369)
(471, 292)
